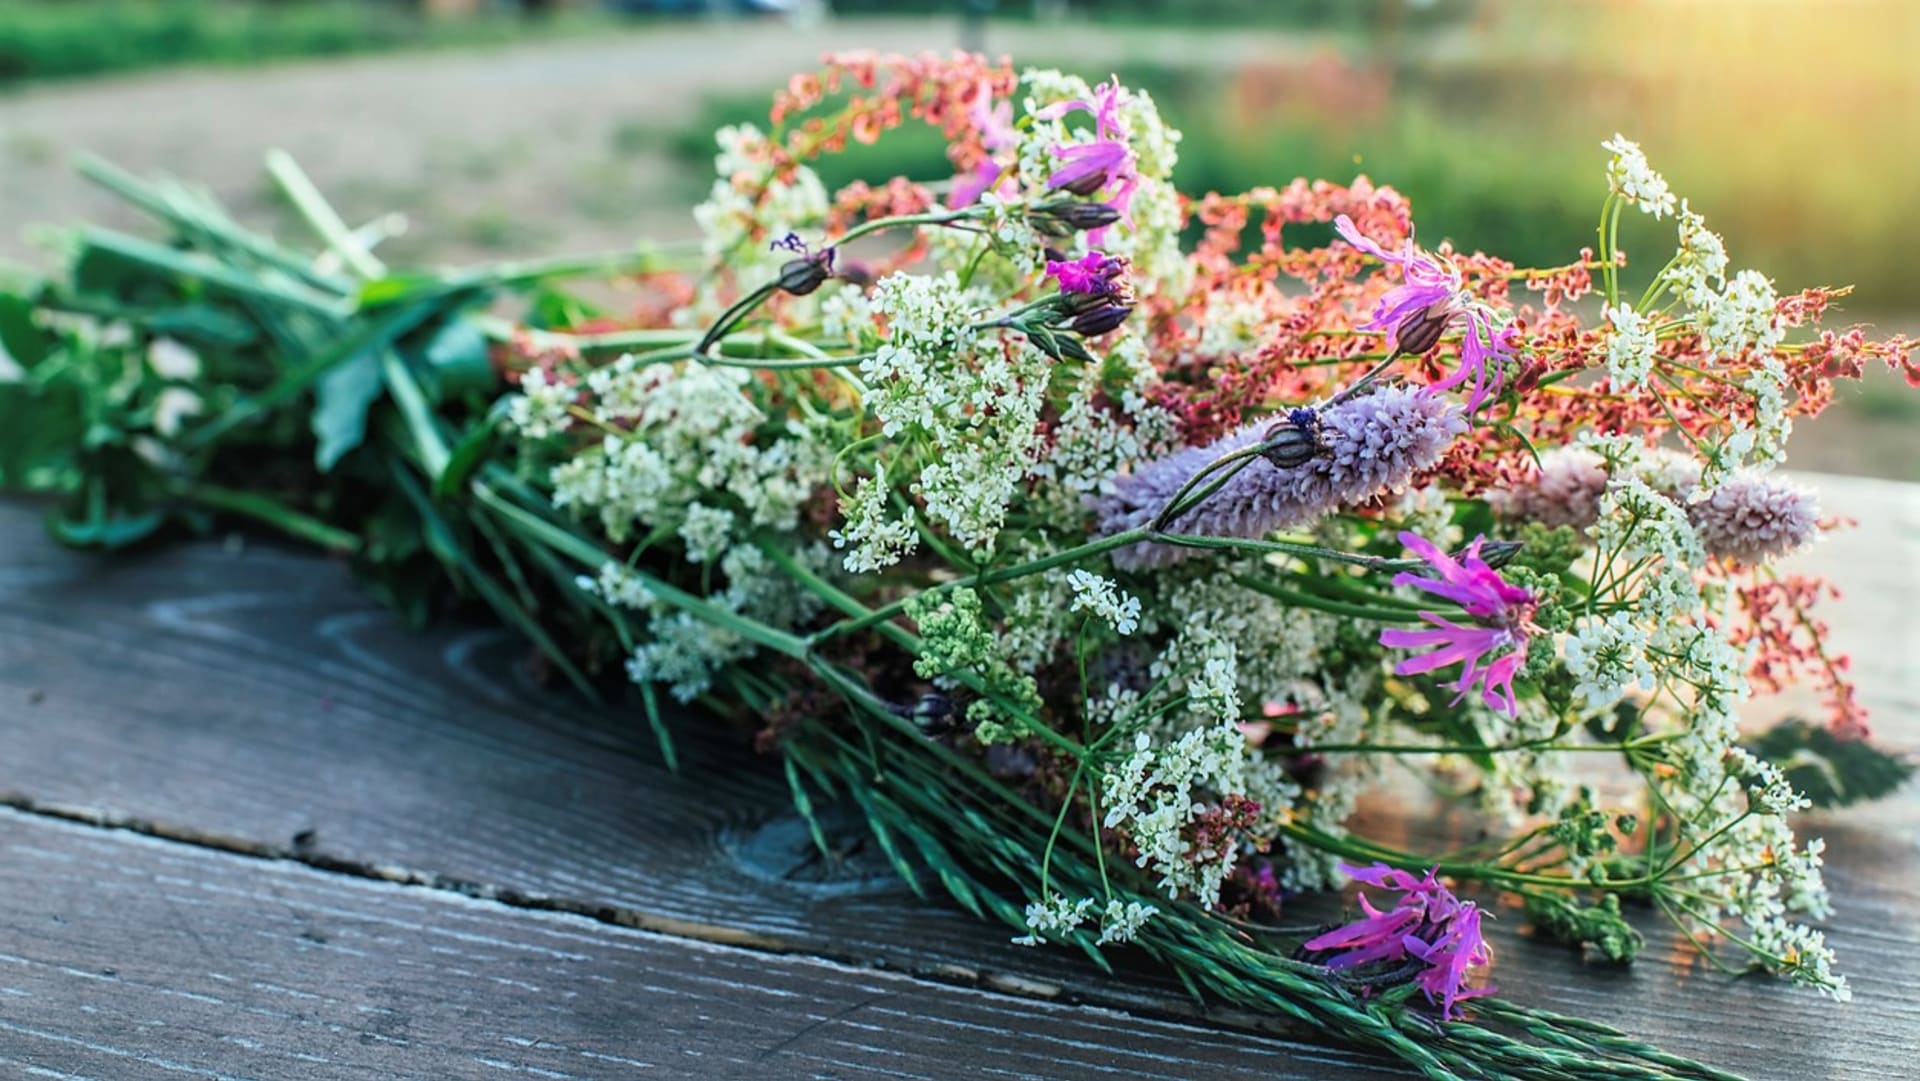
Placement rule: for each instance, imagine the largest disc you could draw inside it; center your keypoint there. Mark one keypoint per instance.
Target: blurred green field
(59, 39)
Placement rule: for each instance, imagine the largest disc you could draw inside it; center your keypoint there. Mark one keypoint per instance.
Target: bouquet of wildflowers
(1099, 543)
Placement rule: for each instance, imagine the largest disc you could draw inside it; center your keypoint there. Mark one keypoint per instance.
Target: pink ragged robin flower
(994, 121)
(1491, 648)
(1105, 164)
(1428, 925)
(1093, 274)
(1430, 299)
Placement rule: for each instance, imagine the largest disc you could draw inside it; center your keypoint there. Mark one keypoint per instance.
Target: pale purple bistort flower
(1752, 519)
(1367, 445)
(1428, 924)
(1564, 490)
(1430, 298)
(1501, 615)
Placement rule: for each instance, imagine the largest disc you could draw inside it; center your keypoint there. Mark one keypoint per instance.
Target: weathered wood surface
(250, 699)
(126, 957)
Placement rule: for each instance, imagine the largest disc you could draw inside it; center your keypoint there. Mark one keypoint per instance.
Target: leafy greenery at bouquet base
(1077, 562)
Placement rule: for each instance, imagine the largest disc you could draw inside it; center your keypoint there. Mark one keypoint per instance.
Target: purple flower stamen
(1429, 300)
(1502, 619)
(1428, 925)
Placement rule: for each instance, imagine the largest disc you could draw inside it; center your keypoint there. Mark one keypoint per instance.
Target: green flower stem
(1137, 535)
(1192, 494)
(271, 512)
(879, 224)
(504, 330)
(1357, 848)
(589, 555)
(1498, 748)
(320, 215)
(889, 612)
(735, 312)
(1325, 604)
(851, 605)
(1292, 548)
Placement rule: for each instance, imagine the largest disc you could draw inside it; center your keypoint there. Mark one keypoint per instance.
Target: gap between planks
(943, 974)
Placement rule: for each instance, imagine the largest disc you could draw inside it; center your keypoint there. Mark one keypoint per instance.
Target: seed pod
(1420, 332)
(802, 276)
(1100, 320)
(1087, 185)
(934, 714)
(1064, 219)
(1497, 554)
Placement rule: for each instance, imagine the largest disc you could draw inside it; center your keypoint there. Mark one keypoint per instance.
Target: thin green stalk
(272, 512)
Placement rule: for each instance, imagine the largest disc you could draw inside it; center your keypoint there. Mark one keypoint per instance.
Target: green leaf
(342, 397)
(20, 337)
(398, 287)
(1828, 770)
(470, 453)
(40, 434)
(202, 323)
(457, 358)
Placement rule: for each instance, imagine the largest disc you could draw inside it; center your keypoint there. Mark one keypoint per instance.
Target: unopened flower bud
(1293, 440)
(1064, 219)
(1497, 554)
(1088, 184)
(934, 713)
(1418, 333)
(1094, 323)
(802, 276)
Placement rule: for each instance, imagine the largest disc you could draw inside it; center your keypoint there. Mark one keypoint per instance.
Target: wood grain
(246, 697)
(129, 958)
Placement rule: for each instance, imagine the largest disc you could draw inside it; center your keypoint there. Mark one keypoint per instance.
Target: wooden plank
(249, 696)
(127, 958)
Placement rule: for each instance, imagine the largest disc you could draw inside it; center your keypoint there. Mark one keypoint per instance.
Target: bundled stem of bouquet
(1100, 575)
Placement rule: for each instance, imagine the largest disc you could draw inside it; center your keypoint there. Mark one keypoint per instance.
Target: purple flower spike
(1502, 616)
(1363, 447)
(1431, 298)
(1428, 924)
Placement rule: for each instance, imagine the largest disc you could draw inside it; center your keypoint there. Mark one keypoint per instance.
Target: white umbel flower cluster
(1699, 268)
(687, 434)
(540, 409)
(1631, 348)
(1092, 593)
(1743, 316)
(1606, 657)
(1056, 916)
(874, 540)
(1630, 177)
(967, 405)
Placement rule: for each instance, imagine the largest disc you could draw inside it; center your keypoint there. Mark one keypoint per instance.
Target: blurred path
(536, 149)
